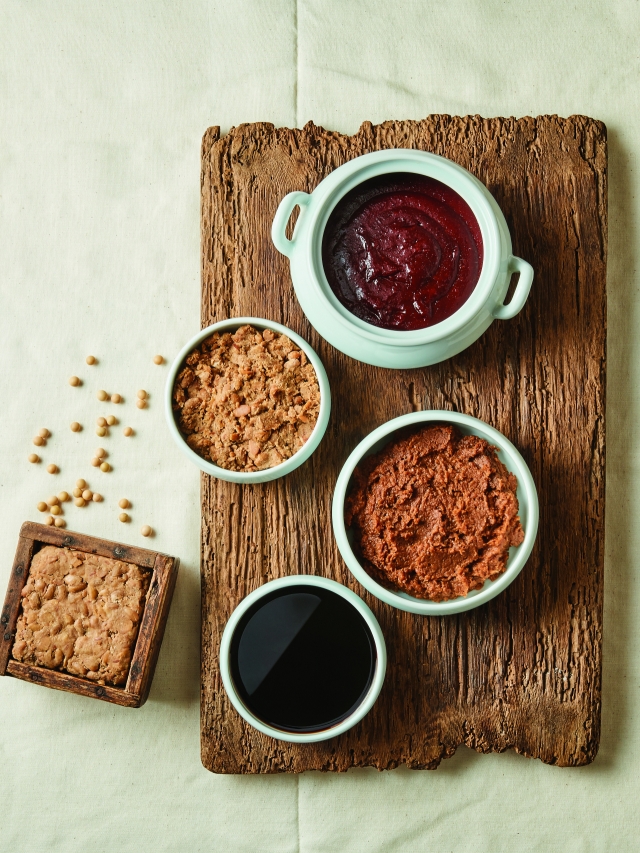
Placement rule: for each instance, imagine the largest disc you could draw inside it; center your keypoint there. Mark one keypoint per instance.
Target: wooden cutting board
(524, 671)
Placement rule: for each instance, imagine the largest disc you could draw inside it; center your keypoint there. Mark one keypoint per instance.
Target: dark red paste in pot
(402, 251)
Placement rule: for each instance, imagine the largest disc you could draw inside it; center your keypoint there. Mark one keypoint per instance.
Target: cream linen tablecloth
(102, 108)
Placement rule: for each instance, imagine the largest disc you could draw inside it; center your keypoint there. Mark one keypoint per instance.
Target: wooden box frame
(164, 570)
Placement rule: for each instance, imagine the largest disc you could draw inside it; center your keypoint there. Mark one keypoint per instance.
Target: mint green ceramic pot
(386, 347)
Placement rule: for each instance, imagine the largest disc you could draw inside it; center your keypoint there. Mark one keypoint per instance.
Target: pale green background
(102, 108)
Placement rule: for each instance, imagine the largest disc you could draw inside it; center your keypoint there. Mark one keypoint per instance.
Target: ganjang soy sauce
(302, 659)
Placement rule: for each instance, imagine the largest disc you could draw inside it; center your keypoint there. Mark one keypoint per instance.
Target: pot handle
(506, 312)
(280, 220)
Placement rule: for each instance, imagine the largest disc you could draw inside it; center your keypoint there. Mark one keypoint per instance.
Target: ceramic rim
(528, 510)
(374, 688)
(288, 465)
(392, 161)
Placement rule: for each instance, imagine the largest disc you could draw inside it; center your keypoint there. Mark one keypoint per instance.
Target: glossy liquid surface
(302, 659)
(402, 251)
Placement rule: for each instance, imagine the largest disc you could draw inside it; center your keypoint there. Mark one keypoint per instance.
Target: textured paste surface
(247, 401)
(434, 513)
(81, 613)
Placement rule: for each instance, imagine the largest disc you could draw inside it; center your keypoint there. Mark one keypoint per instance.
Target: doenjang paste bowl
(390, 347)
(527, 501)
(266, 474)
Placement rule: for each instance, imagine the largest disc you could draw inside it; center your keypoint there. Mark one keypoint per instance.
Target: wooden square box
(164, 570)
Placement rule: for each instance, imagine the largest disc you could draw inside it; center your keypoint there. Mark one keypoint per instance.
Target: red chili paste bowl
(401, 258)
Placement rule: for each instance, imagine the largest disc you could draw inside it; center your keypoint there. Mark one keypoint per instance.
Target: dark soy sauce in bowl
(302, 659)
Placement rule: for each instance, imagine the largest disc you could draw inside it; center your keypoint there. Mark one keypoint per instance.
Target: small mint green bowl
(266, 474)
(527, 501)
(312, 581)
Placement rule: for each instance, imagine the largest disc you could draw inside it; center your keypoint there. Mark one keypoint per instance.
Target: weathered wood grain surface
(152, 626)
(524, 671)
